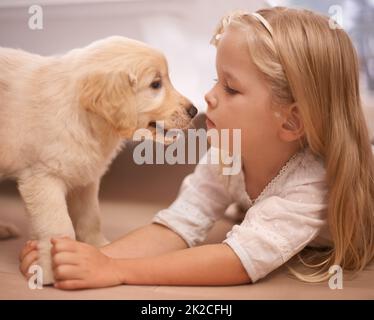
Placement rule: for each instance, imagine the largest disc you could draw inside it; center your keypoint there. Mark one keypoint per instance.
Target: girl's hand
(27, 257)
(77, 265)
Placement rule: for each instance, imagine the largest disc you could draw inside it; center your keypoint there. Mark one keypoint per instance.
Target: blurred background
(182, 30)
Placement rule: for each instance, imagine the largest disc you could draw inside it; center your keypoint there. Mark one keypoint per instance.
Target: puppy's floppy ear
(110, 96)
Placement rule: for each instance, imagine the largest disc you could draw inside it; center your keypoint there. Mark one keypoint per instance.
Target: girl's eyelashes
(227, 88)
(230, 90)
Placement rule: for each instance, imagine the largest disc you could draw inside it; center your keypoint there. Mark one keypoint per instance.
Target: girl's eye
(230, 90)
(227, 88)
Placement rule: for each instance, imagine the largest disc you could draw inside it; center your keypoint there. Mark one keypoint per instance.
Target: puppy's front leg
(83, 205)
(44, 198)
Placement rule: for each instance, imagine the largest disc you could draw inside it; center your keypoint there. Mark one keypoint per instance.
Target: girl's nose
(210, 99)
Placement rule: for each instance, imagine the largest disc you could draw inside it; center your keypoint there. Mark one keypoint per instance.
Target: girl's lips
(209, 123)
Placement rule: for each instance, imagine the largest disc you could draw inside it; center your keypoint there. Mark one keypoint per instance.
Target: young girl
(290, 83)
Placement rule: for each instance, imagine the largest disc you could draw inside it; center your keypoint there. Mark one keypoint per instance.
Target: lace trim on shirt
(270, 185)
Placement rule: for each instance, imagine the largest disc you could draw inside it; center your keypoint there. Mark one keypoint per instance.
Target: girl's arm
(78, 265)
(214, 264)
(150, 240)
(154, 255)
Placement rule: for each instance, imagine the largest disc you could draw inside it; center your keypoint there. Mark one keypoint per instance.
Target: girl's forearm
(213, 264)
(150, 240)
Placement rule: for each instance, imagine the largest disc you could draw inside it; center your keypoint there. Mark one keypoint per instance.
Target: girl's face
(240, 99)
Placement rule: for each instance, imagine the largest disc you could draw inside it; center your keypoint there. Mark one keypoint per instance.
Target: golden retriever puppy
(62, 120)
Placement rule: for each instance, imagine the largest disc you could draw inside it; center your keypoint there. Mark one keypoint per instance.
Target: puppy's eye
(156, 84)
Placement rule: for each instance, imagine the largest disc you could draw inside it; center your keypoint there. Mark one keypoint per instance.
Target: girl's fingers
(27, 261)
(28, 247)
(57, 239)
(67, 272)
(62, 244)
(62, 258)
(70, 284)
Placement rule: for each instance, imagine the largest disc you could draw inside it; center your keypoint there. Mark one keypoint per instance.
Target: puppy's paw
(48, 278)
(8, 230)
(45, 261)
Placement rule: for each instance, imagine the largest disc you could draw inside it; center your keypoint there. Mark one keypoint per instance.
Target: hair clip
(264, 22)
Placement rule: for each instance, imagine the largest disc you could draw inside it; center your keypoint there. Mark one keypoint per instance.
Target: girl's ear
(291, 124)
(111, 96)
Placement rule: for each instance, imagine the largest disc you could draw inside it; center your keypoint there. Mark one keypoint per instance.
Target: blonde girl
(289, 82)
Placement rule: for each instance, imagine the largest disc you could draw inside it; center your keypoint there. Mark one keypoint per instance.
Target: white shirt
(289, 214)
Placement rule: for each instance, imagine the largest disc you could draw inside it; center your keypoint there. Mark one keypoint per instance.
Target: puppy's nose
(192, 111)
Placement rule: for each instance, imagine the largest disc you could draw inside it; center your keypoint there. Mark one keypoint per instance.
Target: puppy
(62, 120)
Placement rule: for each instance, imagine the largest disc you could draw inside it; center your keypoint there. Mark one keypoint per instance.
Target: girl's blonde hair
(306, 61)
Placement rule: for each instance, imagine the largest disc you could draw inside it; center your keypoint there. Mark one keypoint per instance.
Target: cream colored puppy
(62, 120)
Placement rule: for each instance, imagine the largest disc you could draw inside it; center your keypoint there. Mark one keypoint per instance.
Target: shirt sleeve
(278, 227)
(202, 199)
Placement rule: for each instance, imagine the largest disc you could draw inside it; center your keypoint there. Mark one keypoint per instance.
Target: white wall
(182, 29)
